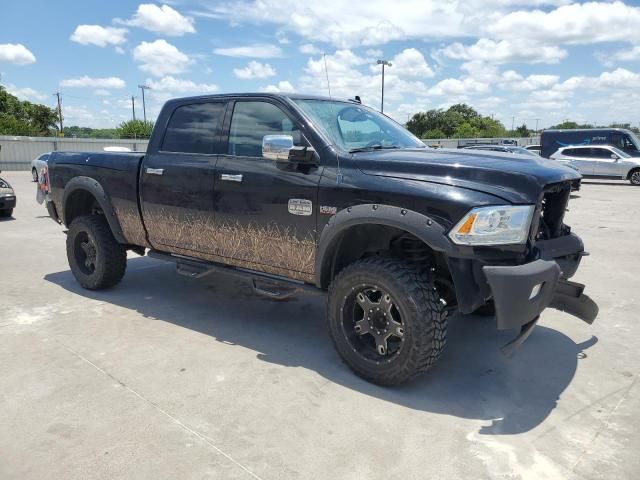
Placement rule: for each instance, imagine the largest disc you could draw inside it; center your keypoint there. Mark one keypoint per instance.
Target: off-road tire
(634, 176)
(6, 213)
(110, 256)
(421, 308)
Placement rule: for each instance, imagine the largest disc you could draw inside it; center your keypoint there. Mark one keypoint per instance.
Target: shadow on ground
(472, 380)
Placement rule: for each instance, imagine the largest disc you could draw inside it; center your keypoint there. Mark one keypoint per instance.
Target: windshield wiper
(373, 147)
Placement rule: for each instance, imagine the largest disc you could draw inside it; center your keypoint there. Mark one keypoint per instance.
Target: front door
(265, 209)
(176, 182)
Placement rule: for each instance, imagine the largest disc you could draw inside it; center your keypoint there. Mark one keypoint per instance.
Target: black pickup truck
(301, 193)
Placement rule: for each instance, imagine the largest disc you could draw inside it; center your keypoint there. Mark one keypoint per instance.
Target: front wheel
(386, 320)
(634, 177)
(96, 259)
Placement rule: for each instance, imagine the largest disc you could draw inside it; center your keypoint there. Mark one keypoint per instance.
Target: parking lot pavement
(170, 377)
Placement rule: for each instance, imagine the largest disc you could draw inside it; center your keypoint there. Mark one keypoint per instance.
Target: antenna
(326, 72)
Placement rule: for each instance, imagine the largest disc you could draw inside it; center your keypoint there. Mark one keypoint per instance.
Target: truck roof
(291, 96)
(586, 129)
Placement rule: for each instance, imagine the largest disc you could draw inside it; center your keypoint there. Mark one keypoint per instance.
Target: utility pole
(513, 121)
(388, 64)
(537, 120)
(57, 94)
(144, 106)
(133, 107)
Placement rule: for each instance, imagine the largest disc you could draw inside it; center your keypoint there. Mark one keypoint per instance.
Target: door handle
(227, 177)
(154, 171)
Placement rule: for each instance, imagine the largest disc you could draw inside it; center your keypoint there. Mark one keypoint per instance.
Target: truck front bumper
(520, 293)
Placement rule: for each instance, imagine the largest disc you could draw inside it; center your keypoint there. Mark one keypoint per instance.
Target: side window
(572, 152)
(617, 140)
(600, 153)
(253, 120)
(193, 128)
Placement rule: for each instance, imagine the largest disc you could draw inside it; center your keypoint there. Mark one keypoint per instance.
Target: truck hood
(512, 177)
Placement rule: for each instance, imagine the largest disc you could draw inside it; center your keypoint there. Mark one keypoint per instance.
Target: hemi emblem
(299, 206)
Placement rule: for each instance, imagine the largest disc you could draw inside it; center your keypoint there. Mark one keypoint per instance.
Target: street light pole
(144, 106)
(387, 64)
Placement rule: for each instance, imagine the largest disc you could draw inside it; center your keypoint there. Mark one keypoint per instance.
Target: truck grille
(552, 210)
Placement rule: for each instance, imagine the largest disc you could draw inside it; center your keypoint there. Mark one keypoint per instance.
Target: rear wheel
(634, 176)
(386, 320)
(96, 259)
(34, 174)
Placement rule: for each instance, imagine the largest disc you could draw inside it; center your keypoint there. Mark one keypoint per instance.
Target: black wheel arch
(74, 203)
(424, 228)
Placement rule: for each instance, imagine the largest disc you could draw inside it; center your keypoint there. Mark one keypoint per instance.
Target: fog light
(535, 291)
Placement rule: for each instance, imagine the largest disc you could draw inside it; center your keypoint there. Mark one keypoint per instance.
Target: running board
(271, 286)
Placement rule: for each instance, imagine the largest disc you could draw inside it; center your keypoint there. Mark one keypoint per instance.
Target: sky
(536, 62)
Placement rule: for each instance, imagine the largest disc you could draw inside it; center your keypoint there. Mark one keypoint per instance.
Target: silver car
(600, 161)
(37, 164)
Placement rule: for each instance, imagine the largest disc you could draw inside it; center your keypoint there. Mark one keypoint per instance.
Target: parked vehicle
(601, 161)
(625, 140)
(37, 164)
(534, 148)
(502, 148)
(7, 198)
(509, 141)
(300, 193)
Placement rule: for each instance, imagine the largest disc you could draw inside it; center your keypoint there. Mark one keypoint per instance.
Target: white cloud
(631, 54)
(176, 85)
(254, 70)
(410, 63)
(16, 53)
(455, 86)
(504, 51)
(99, 36)
(162, 20)
(514, 81)
(282, 38)
(101, 92)
(90, 82)
(26, 93)
(283, 86)
(160, 58)
(309, 49)
(589, 22)
(258, 50)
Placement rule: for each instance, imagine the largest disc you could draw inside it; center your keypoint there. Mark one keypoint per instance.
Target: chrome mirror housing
(277, 147)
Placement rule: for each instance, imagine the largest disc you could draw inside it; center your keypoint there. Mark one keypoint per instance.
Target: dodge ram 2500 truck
(308, 193)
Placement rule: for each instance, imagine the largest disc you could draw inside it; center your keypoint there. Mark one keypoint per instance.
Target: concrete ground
(170, 377)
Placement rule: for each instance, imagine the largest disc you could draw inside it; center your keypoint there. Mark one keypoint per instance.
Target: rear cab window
(194, 128)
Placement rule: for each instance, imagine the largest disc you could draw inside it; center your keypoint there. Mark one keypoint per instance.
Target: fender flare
(421, 226)
(92, 186)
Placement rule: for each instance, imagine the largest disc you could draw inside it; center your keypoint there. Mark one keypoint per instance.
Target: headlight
(4, 184)
(498, 225)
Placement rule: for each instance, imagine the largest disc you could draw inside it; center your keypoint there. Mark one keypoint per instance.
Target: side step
(271, 286)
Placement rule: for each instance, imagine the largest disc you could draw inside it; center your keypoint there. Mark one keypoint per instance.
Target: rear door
(176, 182)
(265, 209)
(581, 158)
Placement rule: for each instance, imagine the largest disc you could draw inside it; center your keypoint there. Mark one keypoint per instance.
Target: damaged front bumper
(520, 293)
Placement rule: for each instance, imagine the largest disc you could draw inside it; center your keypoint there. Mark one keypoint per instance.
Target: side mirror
(281, 149)
(614, 156)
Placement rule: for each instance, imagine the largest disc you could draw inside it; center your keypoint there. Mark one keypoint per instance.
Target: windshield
(354, 127)
(634, 139)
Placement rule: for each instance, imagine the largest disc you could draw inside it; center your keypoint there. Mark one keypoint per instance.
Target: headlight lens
(4, 184)
(498, 225)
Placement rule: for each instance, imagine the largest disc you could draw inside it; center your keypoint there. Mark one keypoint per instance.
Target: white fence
(16, 153)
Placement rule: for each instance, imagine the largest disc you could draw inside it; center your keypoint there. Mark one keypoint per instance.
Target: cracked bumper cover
(522, 292)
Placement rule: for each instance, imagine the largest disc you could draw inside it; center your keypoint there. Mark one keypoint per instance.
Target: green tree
(522, 131)
(24, 118)
(134, 129)
(459, 120)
